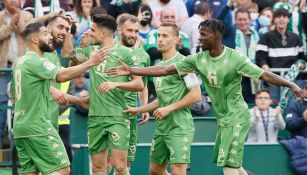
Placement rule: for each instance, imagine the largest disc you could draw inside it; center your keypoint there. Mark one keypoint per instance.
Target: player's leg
(159, 155)
(179, 147)
(28, 167)
(99, 162)
(157, 169)
(109, 161)
(132, 141)
(231, 147)
(98, 144)
(118, 140)
(48, 153)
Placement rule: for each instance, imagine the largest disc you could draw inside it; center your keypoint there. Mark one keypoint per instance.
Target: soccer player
(221, 70)
(108, 125)
(39, 146)
(128, 30)
(174, 124)
(58, 27)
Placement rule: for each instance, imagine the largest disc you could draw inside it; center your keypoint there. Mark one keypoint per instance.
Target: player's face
(263, 101)
(59, 29)
(129, 33)
(168, 16)
(45, 40)
(281, 22)
(166, 39)
(96, 34)
(243, 21)
(207, 38)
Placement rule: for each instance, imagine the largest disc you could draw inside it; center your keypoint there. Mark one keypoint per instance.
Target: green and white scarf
(241, 46)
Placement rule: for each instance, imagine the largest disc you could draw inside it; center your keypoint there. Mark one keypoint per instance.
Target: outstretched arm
(133, 111)
(136, 84)
(277, 80)
(66, 74)
(155, 71)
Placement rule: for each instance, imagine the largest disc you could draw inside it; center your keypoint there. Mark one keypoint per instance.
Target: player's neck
(169, 54)
(107, 43)
(36, 50)
(217, 51)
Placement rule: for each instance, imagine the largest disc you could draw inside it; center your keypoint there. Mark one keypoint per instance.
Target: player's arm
(143, 97)
(277, 80)
(155, 71)
(133, 111)
(192, 97)
(136, 84)
(66, 74)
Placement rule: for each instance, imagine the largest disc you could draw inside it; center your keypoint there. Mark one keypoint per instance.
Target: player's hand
(133, 111)
(160, 113)
(145, 118)
(107, 86)
(84, 93)
(297, 92)
(277, 111)
(85, 102)
(122, 70)
(59, 96)
(86, 39)
(98, 56)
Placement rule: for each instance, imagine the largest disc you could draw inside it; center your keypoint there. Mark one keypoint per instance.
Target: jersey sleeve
(245, 67)
(44, 69)
(191, 80)
(186, 65)
(83, 54)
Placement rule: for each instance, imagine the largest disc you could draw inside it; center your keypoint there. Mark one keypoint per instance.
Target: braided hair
(215, 25)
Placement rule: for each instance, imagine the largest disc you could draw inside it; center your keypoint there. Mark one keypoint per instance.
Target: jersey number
(101, 67)
(17, 78)
(212, 78)
(158, 82)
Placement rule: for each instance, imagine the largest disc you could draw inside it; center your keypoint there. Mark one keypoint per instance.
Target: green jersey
(222, 78)
(53, 106)
(142, 59)
(113, 102)
(171, 89)
(32, 76)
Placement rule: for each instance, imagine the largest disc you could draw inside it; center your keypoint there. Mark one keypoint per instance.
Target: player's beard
(44, 47)
(125, 41)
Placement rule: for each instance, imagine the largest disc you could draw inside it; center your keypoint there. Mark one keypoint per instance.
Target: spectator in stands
(190, 27)
(296, 118)
(279, 48)
(265, 121)
(216, 6)
(265, 21)
(254, 14)
(157, 6)
(82, 15)
(145, 18)
(115, 8)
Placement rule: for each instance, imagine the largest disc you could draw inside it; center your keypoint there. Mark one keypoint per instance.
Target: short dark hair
(242, 10)
(121, 19)
(54, 18)
(281, 12)
(173, 26)
(202, 8)
(105, 21)
(32, 28)
(215, 25)
(263, 90)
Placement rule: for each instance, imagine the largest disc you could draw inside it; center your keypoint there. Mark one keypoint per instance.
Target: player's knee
(120, 167)
(178, 169)
(96, 167)
(153, 171)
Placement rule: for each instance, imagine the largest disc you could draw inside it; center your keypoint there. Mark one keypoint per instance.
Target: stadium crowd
(272, 34)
